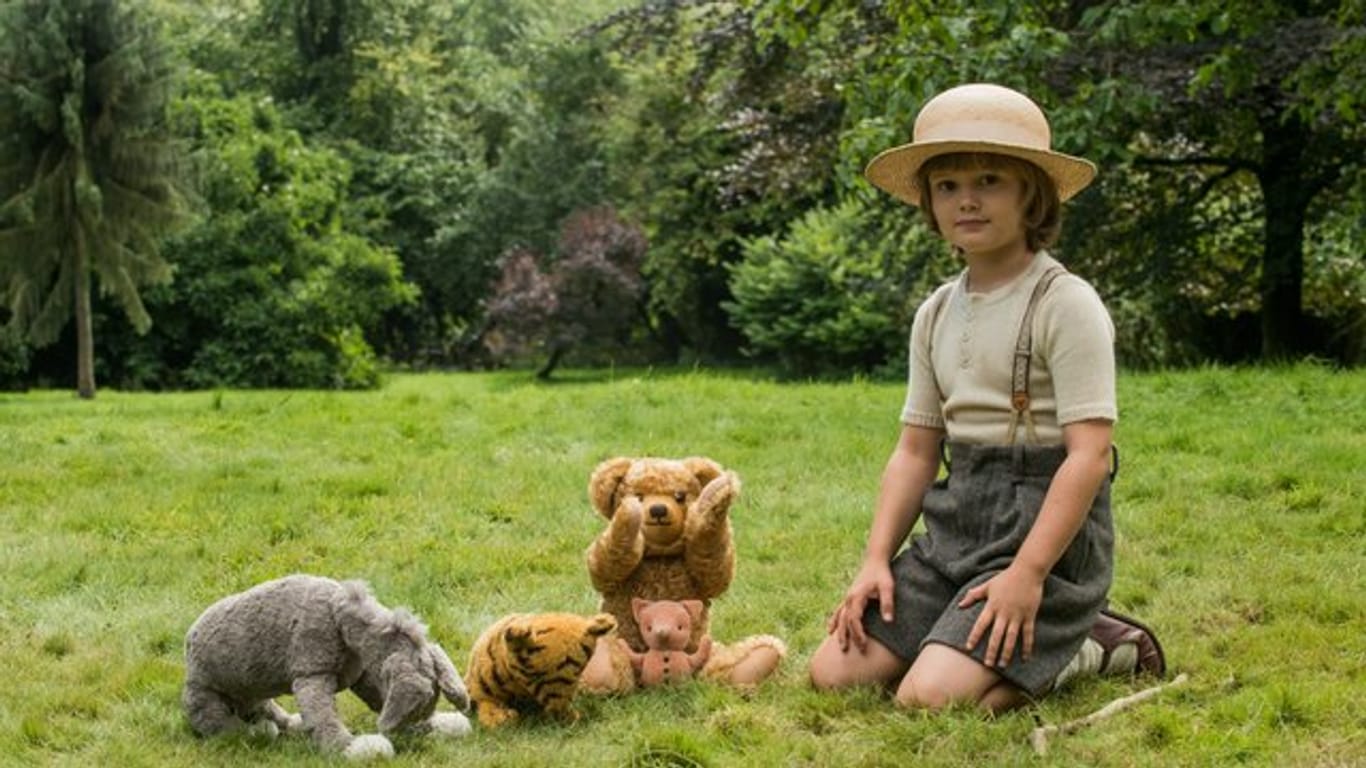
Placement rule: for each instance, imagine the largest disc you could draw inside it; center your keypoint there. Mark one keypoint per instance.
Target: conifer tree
(90, 179)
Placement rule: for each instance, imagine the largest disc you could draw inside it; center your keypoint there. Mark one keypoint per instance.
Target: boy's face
(979, 210)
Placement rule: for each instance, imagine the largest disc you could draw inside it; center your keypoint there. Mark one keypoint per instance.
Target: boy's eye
(989, 179)
(945, 185)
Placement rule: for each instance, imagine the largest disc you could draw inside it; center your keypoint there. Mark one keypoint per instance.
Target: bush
(271, 287)
(838, 291)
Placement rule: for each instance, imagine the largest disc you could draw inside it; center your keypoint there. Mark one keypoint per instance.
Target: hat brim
(894, 170)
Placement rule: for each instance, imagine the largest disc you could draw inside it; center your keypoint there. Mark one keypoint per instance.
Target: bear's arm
(709, 556)
(618, 550)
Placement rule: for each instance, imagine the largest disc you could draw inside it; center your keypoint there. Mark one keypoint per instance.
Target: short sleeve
(1079, 346)
(924, 402)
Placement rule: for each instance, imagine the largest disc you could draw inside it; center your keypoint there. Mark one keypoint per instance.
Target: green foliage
(1210, 176)
(836, 292)
(664, 151)
(1267, 102)
(14, 357)
(714, 141)
(272, 289)
(550, 166)
(440, 136)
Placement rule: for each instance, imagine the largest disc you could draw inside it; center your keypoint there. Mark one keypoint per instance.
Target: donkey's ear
(448, 677)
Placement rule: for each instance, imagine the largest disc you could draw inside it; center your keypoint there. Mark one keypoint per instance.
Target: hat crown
(983, 112)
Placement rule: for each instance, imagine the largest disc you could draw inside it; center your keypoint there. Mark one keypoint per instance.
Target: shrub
(837, 291)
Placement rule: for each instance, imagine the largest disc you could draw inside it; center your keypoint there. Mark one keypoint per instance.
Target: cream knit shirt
(961, 381)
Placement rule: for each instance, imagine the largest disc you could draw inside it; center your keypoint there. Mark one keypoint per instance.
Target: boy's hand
(1012, 601)
(874, 581)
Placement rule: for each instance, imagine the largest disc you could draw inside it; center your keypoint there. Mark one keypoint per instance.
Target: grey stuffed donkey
(315, 637)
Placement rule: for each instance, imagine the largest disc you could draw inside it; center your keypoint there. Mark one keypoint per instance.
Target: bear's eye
(679, 496)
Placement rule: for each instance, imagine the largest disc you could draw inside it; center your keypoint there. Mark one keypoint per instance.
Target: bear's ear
(603, 485)
(704, 469)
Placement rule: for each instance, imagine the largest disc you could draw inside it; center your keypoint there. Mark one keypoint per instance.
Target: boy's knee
(821, 676)
(829, 668)
(921, 694)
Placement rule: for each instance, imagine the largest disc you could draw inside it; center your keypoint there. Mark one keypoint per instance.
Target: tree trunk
(85, 338)
(1286, 194)
(556, 352)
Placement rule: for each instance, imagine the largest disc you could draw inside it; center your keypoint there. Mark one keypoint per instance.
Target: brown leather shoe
(1113, 631)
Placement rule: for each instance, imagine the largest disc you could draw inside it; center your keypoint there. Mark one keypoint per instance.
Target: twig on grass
(1039, 736)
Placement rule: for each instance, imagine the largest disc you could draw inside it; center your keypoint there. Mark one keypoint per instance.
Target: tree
(837, 291)
(717, 139)
(590, 297)
(551, 166)
(1206, 116)
(1230, 90)
(90, 179)
(275, 289)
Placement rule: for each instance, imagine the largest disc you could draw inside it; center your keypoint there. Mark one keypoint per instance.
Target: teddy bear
(315, 637)
(668, 537)
(666, 626)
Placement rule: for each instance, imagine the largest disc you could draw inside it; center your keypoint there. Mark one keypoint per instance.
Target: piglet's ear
(695, 609)
(638, 605)
(604, 483)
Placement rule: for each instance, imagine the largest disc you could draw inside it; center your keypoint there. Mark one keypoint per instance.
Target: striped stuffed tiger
(529, 662)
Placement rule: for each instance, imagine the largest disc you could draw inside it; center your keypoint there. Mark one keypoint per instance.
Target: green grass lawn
(1240, 508)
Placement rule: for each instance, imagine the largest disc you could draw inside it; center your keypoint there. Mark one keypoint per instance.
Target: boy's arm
(910, 470)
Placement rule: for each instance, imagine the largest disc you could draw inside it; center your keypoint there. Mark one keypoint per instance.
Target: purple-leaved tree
(589, 296)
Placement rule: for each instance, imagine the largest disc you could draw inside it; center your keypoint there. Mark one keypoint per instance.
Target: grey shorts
(975, 521)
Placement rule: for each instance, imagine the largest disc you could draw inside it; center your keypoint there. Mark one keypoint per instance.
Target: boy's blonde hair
(1039, 194)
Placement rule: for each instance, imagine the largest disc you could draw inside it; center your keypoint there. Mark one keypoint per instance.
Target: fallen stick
(1039, 737)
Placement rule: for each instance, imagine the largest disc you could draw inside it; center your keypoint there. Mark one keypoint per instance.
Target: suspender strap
(940, 298)
(1019, 377)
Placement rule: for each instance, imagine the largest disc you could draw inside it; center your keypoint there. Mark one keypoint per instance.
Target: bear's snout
(659, 512)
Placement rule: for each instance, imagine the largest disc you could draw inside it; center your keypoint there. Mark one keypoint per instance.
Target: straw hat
(979, 117)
